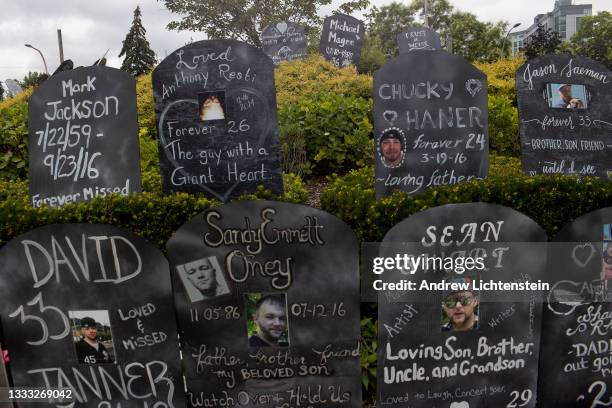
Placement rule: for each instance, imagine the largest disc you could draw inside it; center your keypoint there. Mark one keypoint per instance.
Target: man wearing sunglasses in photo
(461, 308)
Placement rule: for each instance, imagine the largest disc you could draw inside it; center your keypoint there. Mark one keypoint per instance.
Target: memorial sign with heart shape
(284, 41)
(439, 111)
(217, 125)
(577, 321)
(448, 337)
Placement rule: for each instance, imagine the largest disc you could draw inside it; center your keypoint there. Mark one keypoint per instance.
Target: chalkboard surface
(418, 38)
(64, 287)
(341, 40)
(83, 137)
(215, 103)
(430, 122)
(302, 264)
(426, 358)
(577, 321)
(284, 41)
(565, 117)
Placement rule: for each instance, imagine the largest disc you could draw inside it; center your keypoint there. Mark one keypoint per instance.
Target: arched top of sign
(493, 223)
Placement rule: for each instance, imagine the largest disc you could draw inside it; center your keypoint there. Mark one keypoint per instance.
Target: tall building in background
(564, 19)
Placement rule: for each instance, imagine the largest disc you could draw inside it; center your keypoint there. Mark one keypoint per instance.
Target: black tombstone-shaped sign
(267, 297)
(341, 40)
(65, 288)
(284, 41)
(565, 117)
(430, 122)
(418, 38)
(575, 354)
(483, 353)
(215, 103)
(83, 136)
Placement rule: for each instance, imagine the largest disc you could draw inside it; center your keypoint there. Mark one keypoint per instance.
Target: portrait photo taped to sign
(290, 321)
(576, 359)
(217, 126)
(83, 137)
(88, 308)
(565, 116)
(284, 41)
(430, 122)
(461, 346)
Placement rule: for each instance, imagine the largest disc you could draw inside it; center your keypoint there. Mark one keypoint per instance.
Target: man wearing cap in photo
(391, 148)
(460, 307)
(567, 101)
(89, 349)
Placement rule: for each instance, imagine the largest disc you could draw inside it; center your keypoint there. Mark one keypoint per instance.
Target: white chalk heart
(582, 254)
(473, 86)
(390, 116)
(281, 27)
(462, 404)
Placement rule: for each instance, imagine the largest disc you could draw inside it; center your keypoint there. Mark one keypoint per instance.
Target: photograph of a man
(90, 348)
(568, 96)
(391, 147)
(460, 309)
(203, 279)
(269, 325)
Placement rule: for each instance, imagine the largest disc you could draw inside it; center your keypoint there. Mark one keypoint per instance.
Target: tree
(33, 79)
(476, 40)
(139, 57)
(594, 38)
(385, 23)
(244, 19)
(372, 56)
(543, 41)
(1, 91)
(438, 14)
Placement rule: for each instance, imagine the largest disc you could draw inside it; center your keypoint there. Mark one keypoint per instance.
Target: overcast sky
(91, 27)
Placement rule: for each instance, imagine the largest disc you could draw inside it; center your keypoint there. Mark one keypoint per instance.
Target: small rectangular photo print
(203, 279)
(461, 307)
(567, 96)
(266, 319)
(92, 336)
(212, 106)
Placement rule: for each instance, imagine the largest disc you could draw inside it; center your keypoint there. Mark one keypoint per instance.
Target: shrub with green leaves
(503, 126)
(333, 129)
(551, 201)
(14, 139)
(150, 215)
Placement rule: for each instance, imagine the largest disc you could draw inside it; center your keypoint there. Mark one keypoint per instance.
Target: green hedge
(150, 215)
(551, 201)
(326, 132)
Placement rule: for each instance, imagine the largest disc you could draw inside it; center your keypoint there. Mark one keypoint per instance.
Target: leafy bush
(151, 215)
(14, 141)
(332, 129)
(503, 126)
(500, 76)
(146, 108)
(551, 201)
(302, 78)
